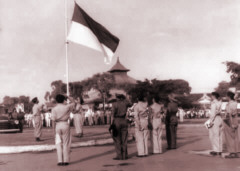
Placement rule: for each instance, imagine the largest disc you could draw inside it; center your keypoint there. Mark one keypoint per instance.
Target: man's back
(120, 108)
(172, 108)
(62, 112)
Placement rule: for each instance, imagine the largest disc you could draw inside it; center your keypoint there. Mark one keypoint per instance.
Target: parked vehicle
(8, 124)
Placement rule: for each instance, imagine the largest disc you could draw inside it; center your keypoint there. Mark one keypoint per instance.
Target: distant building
(121, 77)
(120, 74)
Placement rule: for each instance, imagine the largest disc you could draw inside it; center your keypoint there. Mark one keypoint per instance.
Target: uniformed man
(60, 115)
(37, 111)
(215, 132)
(78, 118)
(119, 127)
(171, 122)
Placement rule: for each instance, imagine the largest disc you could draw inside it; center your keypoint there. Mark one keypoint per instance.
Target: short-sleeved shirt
(231, 108)
(215, 108)
(78, 109)
(61, 112)
(37, 109)
(140, 110)
(120, 108)
(156, 110)
(172, 108)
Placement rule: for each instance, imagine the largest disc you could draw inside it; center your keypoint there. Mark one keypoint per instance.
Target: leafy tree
(76, 89)
(27, 103)
(234, 69)
(142, 87)
(159, 87)
(101, 82)
(177, 86)
(58, 87)
(10, 102)
(189, 101)
(222, 88)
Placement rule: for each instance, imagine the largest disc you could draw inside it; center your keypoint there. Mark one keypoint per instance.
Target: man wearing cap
(37, 111)
(171, 122)
(119, 127)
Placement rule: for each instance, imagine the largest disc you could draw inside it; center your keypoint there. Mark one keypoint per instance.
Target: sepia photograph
(119, 85)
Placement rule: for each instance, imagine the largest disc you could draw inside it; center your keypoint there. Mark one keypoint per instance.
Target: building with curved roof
(120, 74)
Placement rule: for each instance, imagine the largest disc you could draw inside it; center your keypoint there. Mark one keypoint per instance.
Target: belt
(60, 121)
(123, 117)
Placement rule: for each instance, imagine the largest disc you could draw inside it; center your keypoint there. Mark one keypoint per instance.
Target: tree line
(104, 82)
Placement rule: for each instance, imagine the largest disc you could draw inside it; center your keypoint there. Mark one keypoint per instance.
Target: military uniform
(120, 129)
(215, 132)
(37, 111)
(171, 125)
(60, 115)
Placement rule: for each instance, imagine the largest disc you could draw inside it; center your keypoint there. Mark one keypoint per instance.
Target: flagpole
(66, 46)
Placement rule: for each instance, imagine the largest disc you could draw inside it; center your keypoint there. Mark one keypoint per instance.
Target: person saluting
(60, 115)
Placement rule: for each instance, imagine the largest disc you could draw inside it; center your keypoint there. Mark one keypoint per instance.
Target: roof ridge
(118, 67)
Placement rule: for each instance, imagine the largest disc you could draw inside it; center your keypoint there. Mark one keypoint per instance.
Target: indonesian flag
(85, 31)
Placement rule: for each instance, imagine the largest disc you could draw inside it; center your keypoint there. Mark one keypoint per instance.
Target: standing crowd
(89, 117)
(147, 121)
(223, 127)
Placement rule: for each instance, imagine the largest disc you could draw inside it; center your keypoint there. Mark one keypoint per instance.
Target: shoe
(231, 156)
(65, 164)
(60, 164)
(116, 158)
(213, 153)
(156, 153)
(140, 156)
(168, 148)
(219, 153)
(38, 139)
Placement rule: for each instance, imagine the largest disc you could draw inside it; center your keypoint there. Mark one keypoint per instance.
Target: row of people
(147, 120)
(97, 118)
(223, 126)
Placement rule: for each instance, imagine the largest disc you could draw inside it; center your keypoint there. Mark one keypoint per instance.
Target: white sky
(164, 39)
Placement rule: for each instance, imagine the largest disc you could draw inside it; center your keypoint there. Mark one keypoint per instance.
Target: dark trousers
(21, 123)
(120, 137)
(171, 132)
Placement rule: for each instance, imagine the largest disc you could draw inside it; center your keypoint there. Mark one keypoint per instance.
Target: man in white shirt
(37, 111)
(215, 132)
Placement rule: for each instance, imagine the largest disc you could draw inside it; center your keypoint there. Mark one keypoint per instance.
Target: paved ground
(95, 132)
(191, 140)
(27, 138)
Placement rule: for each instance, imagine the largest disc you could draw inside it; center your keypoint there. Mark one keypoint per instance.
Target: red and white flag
(85, 31)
